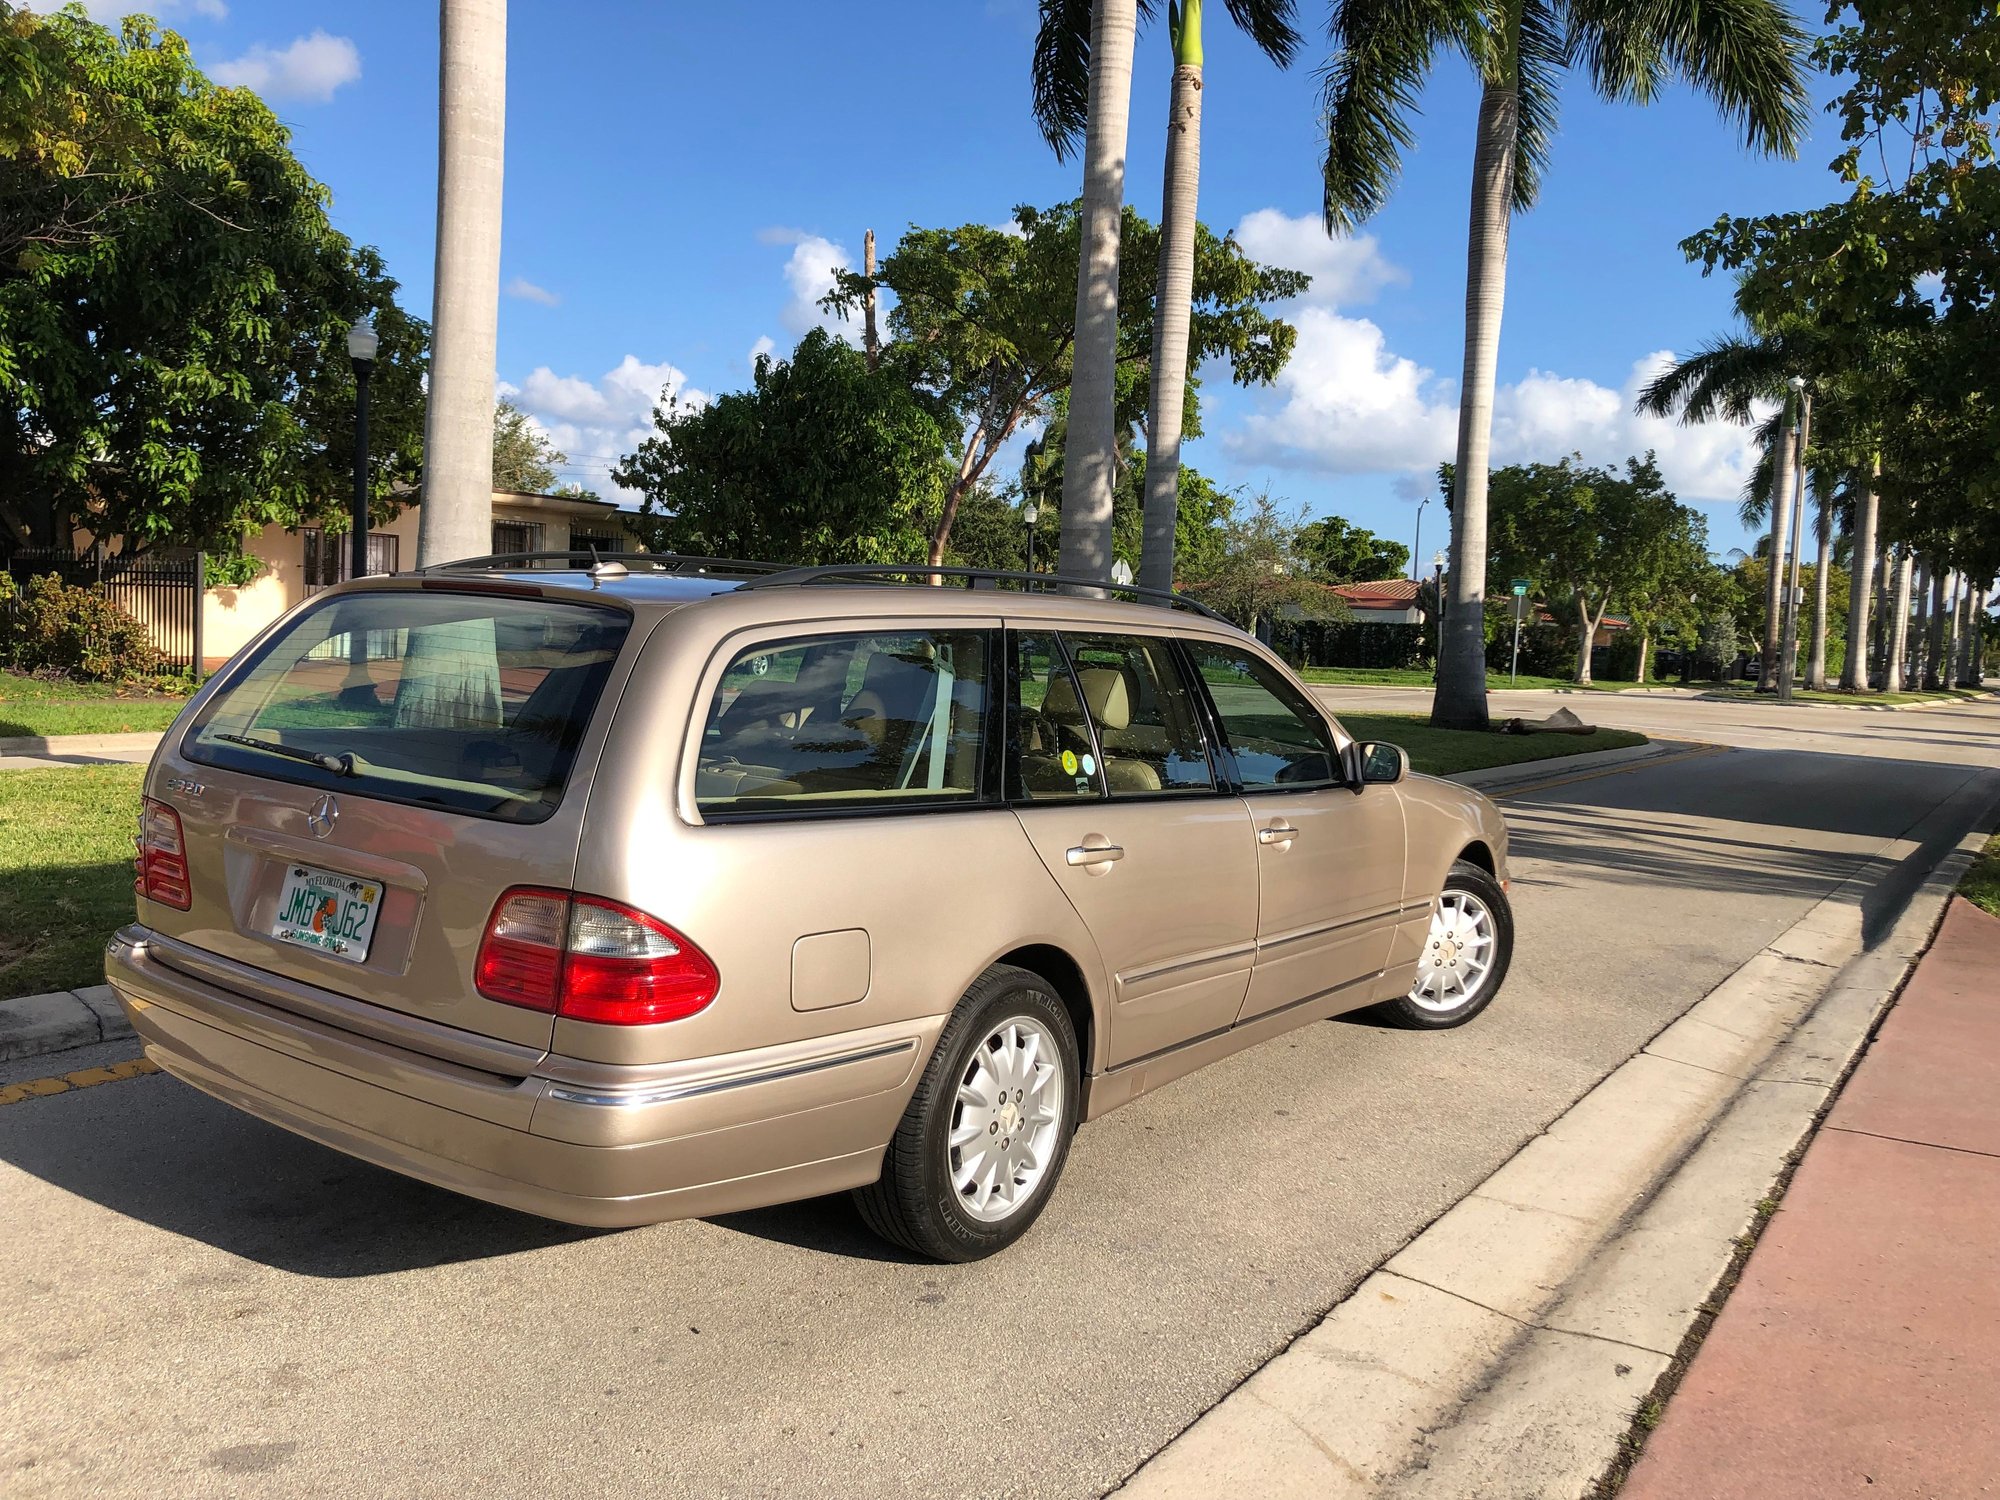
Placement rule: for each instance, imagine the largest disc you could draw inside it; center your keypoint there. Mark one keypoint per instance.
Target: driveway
(205, 1304)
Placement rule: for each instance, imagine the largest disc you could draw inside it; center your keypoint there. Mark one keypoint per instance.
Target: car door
(1330, 860)
(1111, 777)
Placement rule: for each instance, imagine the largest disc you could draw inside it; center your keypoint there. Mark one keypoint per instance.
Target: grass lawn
(39, 706)
(1981, 885)
(1421, 677)
(1441, 752)
(65, 873)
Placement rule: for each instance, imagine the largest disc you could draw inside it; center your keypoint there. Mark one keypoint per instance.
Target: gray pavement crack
(1531, 1324)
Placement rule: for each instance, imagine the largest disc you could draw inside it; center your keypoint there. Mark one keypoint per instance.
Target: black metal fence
(163, 594)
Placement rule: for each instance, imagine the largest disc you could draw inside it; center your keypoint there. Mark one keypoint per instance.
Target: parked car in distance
(637, 890)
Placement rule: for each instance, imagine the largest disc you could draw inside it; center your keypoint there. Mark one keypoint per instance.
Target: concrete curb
(1495, 778)
(1503, 1352)
(56, 1022)
(1851, 708)
(79, 744)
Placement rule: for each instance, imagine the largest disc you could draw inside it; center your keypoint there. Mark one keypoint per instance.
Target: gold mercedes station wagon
(634, 890)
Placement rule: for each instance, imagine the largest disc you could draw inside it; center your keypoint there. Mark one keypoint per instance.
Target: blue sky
(679, 177)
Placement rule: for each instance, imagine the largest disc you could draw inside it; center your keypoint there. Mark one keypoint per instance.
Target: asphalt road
(201, 1304)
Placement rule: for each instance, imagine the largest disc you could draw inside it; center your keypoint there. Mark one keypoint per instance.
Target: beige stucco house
(299, 562)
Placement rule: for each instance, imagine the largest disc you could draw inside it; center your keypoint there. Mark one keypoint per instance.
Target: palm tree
(1269, 24)
(1748, 56)
(1723, 378)
(1091, 83)
(1062, 53)
(457, 515)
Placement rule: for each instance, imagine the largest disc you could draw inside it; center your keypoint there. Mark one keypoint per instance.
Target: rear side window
(1148, 731)
(471, 702)
(1277, 739)
(832, 722)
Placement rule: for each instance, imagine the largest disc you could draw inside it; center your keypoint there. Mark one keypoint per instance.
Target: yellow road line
(1644, 764)
(83, 1078)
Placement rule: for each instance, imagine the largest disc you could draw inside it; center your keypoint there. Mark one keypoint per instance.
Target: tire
(919, 1203)
(1443, 996)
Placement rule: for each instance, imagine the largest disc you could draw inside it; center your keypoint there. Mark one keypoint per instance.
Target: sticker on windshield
(1089, 764)
(1069, 762)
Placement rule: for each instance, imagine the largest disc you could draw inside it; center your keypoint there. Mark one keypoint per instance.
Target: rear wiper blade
(340, 765)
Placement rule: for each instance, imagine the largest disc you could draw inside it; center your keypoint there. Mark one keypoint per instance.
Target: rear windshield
(472, 702)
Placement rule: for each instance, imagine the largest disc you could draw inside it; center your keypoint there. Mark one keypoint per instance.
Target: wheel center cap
(1010, 1117)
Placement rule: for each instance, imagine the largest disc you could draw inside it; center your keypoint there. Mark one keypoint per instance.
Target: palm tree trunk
(1861, 591)
(1173, 305)
(1954, 612)
(1781, 541)
(1645, 650)
(1935, 627)
(1899, 621)
(457, 515)
(1093, 416)
(1461, 689)
(1822, 563)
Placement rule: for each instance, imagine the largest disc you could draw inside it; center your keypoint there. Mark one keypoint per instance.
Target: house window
(606, 541)
(517, 537)
(327, 556)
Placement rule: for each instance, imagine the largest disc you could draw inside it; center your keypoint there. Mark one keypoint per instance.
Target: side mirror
(1381, 764)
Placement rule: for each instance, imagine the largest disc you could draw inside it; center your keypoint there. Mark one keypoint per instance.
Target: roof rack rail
(1043, 582)
(656, 562)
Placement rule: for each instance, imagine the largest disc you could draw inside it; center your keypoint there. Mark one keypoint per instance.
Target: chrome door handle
(1093, 854)
(1277, 833)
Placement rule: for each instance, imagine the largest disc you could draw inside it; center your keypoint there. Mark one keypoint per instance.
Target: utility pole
(457, 516)
(869, 342)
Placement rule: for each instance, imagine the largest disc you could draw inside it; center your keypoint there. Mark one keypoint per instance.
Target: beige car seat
(1108, 692)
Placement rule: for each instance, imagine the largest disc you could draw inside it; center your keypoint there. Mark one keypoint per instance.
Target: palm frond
(1720, 379)
(1060, 72)
(1748, 56)
(1268, 23)
(1541, 57)
(1369, 89)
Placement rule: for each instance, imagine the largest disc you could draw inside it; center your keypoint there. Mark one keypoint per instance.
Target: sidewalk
(26, 752)
(1860, 1351)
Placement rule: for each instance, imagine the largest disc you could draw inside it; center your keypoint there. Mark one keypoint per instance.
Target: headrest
(1104, 689)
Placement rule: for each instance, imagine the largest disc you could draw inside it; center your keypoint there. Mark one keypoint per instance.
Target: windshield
(472, 702)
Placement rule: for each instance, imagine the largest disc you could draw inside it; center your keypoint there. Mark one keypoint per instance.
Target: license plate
(326, 911)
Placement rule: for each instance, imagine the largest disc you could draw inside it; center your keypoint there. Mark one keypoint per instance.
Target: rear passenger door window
(1276, 738)
(886, 721)
(1051, 752)
(1149, 735)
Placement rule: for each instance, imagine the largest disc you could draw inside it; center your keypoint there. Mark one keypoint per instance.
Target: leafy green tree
(1910, 255)
(1256, 571)
(174, 303)
(821, 461)
(1338, 551)
(1747, 56)
(1589, 537)
(524, 459)
(984, 324)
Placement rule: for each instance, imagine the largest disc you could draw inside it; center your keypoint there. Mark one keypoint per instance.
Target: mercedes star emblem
(320, 818)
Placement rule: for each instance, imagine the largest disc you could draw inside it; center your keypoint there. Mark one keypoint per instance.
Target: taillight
(591, 960)
(162, 862)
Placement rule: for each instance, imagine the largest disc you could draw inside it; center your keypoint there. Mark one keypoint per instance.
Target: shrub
(61, 627)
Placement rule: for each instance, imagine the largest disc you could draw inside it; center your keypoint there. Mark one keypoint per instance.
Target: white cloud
(1344, 271)
(309, 70)
(527, 291)
(598, 422)
(1346, 404)
(809, 275)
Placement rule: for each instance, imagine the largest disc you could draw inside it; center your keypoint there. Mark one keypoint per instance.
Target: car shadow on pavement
(831, 1226)
(155, 1150)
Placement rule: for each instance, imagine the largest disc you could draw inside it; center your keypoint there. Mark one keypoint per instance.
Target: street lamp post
(362, 343)
(1789, 629)
(1417, 541)
(1031, 513)
(1437, 575)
